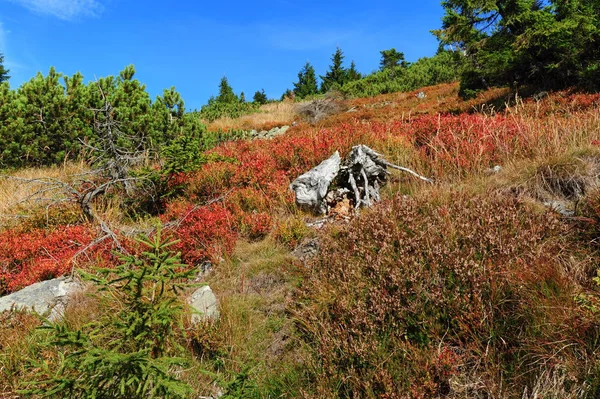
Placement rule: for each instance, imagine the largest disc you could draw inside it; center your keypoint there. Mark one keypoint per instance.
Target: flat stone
(204, 304)
(307, 249)
(282, 130)
(46, 297)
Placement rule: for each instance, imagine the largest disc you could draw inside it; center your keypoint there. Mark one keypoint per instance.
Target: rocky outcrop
(268, 134)
(47, 298)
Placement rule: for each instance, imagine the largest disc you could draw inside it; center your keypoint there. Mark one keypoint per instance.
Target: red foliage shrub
(256, 225)
(213, 180)
(205, 232)
(469, 142)
(26, 258)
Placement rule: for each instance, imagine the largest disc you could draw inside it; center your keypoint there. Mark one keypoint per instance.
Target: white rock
(43, 297)
(204, 304)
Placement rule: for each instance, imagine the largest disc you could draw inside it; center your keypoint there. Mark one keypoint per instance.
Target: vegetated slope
(459, 291)
(459, 296)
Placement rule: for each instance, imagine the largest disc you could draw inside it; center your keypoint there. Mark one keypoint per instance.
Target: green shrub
(128, 352)
(215, 110)
(442, 68)
(46, 119)
(291, 231)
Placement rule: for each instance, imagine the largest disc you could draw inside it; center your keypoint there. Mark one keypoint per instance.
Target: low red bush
(204, 232)
(26, 258)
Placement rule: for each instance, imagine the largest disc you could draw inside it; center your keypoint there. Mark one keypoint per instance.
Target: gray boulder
(204, 305)
(47, 298)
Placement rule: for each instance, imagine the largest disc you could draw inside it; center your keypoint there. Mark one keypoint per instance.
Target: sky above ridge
(192, 44)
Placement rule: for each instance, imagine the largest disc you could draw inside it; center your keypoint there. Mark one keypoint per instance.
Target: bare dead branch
(391, 165)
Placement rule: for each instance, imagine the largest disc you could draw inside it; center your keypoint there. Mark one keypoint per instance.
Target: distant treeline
(52, 117)
(394, 74)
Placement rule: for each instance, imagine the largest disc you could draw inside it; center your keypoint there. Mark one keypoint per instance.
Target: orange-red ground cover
(436, 142)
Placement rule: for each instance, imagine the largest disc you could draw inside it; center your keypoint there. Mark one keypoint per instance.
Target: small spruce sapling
(127, 353)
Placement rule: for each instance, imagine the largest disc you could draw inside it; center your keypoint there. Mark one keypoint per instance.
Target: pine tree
(287, 94)
(172, 102)
(352, 73)
(307, 82)
(549, 44)
(45, 120)
(169, 115)
(391, 58)
(336, 75)
(260, 97)
(132, 106)
(226, 94)
(3, 71)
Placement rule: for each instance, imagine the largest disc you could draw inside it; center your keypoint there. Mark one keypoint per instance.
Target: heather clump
(427, 298)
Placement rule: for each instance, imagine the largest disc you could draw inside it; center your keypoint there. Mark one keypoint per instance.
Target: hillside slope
(474, 287)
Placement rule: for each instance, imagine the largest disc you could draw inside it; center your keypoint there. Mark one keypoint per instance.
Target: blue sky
(192, 44)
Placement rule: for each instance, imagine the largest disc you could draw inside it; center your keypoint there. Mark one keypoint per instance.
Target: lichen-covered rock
(268, 134)
(47, 298)
(307, 249)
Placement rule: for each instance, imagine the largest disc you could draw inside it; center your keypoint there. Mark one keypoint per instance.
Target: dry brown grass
(556, 156)
(14, 193)
(15, 345)
(252, 287)
(270, 115)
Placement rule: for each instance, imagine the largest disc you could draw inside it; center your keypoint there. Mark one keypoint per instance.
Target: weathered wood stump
(311, 187)
(360, 175)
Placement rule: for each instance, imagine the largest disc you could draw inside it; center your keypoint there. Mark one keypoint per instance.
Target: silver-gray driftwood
(312, 187)
(361, 174)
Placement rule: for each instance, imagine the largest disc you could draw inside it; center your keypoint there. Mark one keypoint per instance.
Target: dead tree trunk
(362, 174)
(311, 187)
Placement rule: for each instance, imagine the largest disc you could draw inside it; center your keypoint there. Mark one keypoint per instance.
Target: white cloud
(63, 9)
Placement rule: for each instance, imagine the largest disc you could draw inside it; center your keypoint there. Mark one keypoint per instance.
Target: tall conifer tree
(226, 94)
(260, 97)
(353, 74)
(307, 82)
(550, 43)
(337, 74)
(392, 58)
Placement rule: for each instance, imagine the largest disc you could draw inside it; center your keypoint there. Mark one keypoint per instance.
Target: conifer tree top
(3, 71)
(336, 74)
